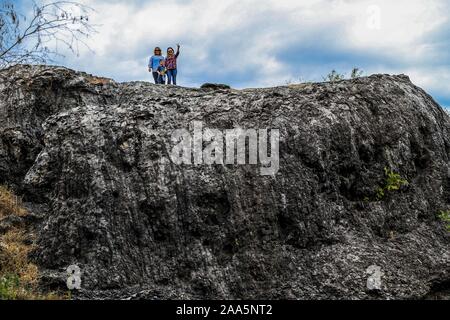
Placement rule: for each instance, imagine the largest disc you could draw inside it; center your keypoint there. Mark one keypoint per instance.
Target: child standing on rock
(161, 70)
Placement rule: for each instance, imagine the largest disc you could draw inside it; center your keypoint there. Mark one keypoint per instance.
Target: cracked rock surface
(91, 158)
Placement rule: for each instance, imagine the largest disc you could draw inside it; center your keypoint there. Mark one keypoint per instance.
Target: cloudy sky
(254, 43)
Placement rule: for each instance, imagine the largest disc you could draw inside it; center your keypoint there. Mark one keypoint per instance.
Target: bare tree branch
(36, 39)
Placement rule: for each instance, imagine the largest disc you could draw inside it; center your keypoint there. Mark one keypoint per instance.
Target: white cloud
(244, 41)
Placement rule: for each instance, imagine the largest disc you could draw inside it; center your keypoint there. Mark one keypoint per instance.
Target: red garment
(171, 62)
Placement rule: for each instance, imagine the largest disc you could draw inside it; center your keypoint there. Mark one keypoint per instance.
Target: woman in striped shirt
(171, 65)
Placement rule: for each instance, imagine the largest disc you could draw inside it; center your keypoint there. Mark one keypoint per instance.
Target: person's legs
(169, 76)
(174, 76)
(155, 77)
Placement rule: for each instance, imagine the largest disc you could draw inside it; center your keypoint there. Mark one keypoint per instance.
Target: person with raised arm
(171, 65)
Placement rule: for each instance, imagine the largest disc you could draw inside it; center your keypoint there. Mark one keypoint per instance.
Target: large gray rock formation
(92, 159)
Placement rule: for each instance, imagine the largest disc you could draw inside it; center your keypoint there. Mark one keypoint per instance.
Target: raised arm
(178, 50)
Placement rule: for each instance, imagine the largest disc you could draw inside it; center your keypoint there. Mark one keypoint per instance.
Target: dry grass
(19, 278)
(300, 85)
(99, 81)
(10, 204)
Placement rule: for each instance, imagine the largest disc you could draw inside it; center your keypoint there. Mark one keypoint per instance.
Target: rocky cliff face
(91, 158)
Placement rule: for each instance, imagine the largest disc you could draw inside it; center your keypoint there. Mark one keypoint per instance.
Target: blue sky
(258, 43)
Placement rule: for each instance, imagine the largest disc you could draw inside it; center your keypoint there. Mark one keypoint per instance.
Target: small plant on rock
(445, 218)
(356, 73)
(334, 76)
(393, 183)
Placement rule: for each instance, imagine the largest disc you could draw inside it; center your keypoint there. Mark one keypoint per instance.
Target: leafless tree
(40, 35)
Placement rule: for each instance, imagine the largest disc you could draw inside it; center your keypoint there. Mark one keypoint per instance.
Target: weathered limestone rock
(92, 159)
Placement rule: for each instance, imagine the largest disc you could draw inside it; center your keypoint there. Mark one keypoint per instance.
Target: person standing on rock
(161, 72)
(154, 63)
(171, 65)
